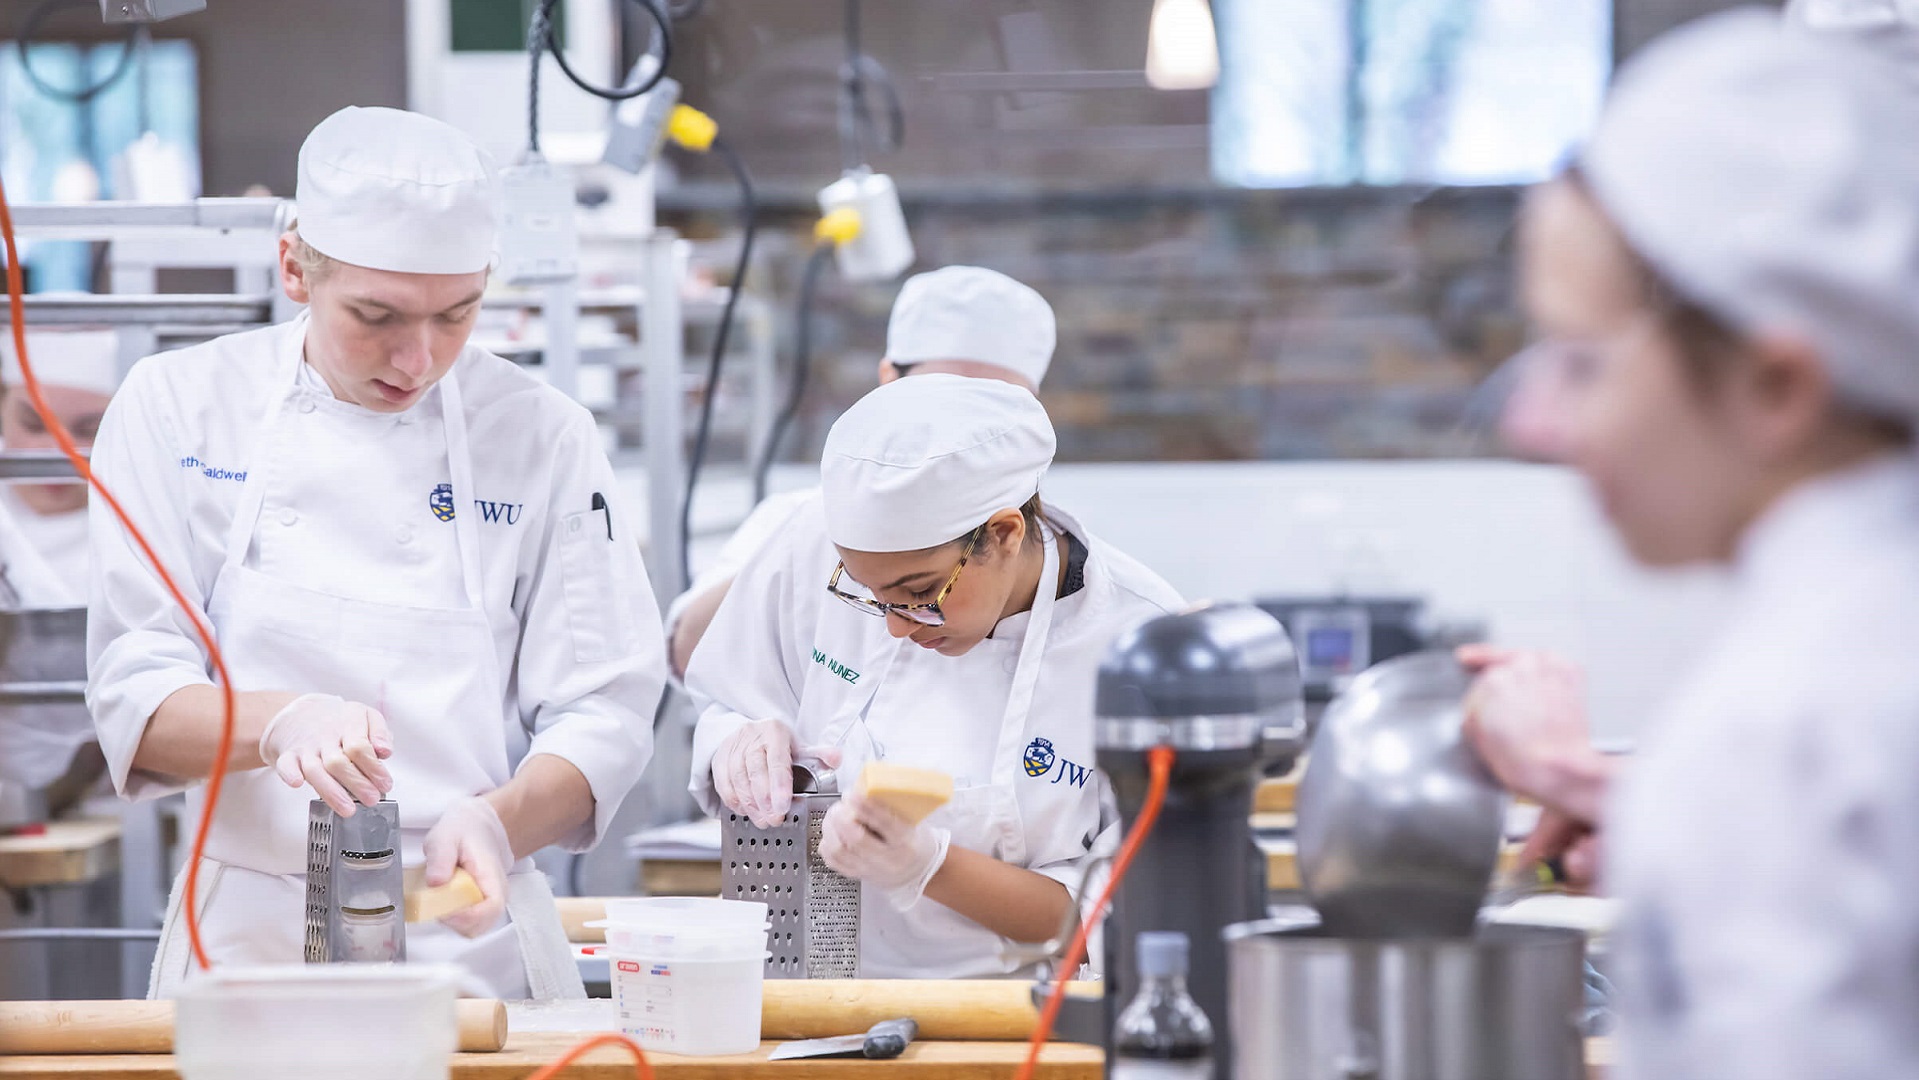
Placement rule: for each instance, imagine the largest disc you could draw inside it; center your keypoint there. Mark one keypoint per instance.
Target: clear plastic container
(699, 1008)
(688, 972)
(318, 1022)
(684, 927)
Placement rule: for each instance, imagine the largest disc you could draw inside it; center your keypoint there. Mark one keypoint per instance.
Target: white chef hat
(393, 190)
(1769, 174)
(922, 461)
(972, 313)
(77, 359)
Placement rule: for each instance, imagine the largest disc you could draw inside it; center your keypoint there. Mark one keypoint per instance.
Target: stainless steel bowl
(1399, 822)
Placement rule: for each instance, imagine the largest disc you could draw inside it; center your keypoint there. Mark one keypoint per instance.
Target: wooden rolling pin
(577, 911)
(944, 1008)
(146, 1027)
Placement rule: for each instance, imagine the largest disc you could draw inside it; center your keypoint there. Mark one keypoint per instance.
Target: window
(136, 139)
(1320, 92)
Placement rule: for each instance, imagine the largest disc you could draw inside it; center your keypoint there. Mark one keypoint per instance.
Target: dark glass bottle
(1162, 1034)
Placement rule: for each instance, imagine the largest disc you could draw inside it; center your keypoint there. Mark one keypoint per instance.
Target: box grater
(815, 912)
(355, 887)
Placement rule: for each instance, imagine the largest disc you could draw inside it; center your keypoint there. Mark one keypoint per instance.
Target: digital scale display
(1330, 648)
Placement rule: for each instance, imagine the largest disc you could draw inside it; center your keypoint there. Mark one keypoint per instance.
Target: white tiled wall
(1519, 547)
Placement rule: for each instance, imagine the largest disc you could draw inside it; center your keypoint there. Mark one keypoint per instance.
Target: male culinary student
(403, 543)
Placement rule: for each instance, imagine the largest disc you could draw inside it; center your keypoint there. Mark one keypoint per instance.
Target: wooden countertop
(68, 853)
(527, 1052)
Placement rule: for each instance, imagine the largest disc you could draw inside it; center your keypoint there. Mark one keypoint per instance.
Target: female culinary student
(1728, 285)
(403, 545)
(929, 610)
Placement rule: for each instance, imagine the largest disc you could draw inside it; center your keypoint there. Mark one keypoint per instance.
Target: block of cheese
(911, 793)
(428, 903)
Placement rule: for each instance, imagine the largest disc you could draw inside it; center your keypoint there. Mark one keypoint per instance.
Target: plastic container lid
(1162, 953)
(666, 912)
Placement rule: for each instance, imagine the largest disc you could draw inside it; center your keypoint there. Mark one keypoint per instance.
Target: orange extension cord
(1159, 764)
(16, 303)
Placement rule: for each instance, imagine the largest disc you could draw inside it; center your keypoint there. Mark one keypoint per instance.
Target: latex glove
(333, 745)
(867, 842)
(471, 835)
(1526, 717)
(753, 770)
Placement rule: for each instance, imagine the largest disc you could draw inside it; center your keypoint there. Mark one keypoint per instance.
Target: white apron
(37, 742)
(942, 722)
(436, 677)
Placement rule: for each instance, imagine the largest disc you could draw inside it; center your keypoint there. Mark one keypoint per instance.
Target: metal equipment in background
(1397, 977)
(1220, 684)
(814, 910)
(147, 11)
(356, 899)
(1339, 636)
(1503, 1004)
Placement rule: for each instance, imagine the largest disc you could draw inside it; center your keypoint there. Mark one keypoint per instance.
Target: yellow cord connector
(839, 228)
(691, 128)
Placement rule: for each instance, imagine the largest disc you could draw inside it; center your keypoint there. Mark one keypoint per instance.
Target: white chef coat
(44, 560)
(1026, 787)
(1765, 840)
(363, 510)
(753, 535)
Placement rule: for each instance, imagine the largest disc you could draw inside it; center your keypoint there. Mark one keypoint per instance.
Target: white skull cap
(389, 189)
(76, 359)
(1769, 174)
(972, 313)
(923, 461)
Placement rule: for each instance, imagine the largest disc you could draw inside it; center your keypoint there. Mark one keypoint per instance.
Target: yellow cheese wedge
(911, 793)
(427, 904)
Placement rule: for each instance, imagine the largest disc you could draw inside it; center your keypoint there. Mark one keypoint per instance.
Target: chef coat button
(404, 534)
(574, 524)
(307, 405)
(288, 517)
(406, 418)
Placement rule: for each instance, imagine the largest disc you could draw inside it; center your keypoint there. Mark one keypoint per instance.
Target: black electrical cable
(539, 39)
(859, 132)
(802, 365)
(30, 28)
(749, 215)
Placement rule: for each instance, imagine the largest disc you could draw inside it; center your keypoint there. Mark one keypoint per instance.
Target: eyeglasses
(928, 614)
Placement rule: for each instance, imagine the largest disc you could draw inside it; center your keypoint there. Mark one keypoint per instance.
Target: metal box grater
(355, 886)
(815, 912)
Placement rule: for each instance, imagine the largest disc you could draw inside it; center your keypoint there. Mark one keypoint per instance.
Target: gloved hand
(336, 746)
(753, 771)
(470, 834)
(865, 841)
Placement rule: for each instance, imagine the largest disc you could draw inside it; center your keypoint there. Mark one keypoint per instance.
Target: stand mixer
(1220, 684)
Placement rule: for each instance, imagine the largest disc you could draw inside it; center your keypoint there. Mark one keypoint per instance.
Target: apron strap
(551, 972)
(246, 514)
(1019, 699)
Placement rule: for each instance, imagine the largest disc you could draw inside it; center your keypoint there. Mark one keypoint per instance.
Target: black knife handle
(888, 1038)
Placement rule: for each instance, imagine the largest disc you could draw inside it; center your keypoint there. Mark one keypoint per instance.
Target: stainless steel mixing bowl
(1399, 821)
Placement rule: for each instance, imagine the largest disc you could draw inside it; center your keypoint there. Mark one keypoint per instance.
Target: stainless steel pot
(1504, 1004)
(1399, 822)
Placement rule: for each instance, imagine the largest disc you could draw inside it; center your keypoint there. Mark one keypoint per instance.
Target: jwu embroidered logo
(835, 667)
(499, 511)
(1040, 759)
(441, 502)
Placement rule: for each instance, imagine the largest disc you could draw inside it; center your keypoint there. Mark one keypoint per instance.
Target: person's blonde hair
(312, 262)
